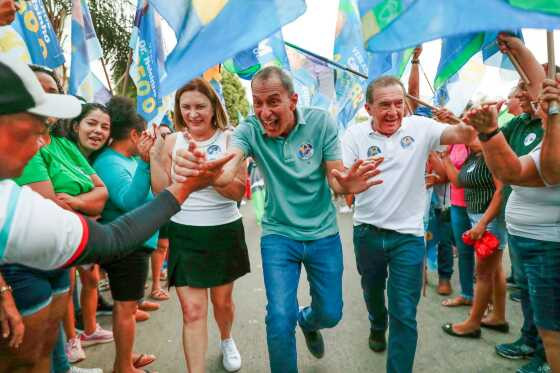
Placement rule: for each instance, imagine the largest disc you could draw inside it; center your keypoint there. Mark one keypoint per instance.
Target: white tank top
(206, 207)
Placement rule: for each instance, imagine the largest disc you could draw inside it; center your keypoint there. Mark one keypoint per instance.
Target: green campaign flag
(545, 6)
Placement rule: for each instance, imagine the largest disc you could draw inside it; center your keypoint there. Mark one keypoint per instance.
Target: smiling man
(297, 151)
(388, 228)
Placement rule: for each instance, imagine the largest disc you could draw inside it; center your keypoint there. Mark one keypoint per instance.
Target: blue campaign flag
(210, 32)
(33, 25)
(146, 68)
(85, 47)
(270, 51)
(425, 20)
(349, 51)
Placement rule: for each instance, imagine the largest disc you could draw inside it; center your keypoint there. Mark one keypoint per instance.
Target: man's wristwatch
(487, 136)
(4, 289)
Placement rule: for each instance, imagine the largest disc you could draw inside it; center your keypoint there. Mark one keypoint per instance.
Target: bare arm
(500, 158)
(354, 180)
(11, 323)
(46, 189)
(458, 134)
(451, 172)
(236, 189)
(414, 78)
(491, 212)
(550, 151)
(527, 61)
(90, 203)
(160, 162)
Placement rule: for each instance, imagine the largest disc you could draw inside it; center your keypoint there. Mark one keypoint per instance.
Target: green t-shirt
(61, 163)
(523, 134)
(298, 198)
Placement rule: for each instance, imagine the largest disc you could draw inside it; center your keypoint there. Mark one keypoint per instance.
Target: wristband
(487, 136)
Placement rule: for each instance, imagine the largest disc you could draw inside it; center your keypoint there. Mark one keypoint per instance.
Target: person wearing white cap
(36, 232)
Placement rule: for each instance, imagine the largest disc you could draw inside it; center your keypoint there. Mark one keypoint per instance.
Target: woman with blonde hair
(207, 249)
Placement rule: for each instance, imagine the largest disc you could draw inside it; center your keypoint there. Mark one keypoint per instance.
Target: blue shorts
(34, 289)
(497, 227)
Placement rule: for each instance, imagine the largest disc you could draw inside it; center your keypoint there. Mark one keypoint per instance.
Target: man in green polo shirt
(298, 153)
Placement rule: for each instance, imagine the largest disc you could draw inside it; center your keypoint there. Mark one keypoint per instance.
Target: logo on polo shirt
(471, 168)
(213, 152)
(529, 139)
(407, 141)
(305, 151)
(373, 151)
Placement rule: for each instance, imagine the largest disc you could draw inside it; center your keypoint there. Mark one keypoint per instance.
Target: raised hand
(485, 118)
(360, 176)
(508, 43)
(11, 324)
(188, 162)
(550, 92)
(444, 115)
(144, 145)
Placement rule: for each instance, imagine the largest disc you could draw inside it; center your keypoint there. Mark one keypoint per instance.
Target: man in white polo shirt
(388, 228)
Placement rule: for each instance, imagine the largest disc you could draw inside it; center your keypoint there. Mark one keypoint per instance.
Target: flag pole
(432, 107)
(553, 108)
(518, 67)
(426, 77)
(106, 75)
(126, 72)
(326, 60)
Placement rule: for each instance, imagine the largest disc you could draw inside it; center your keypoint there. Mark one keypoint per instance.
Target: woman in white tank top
(207, 249)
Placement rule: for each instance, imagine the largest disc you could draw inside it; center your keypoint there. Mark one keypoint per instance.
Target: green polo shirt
(298, 200)
(523, 134)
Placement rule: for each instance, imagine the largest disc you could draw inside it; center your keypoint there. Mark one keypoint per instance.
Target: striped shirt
(477, 180)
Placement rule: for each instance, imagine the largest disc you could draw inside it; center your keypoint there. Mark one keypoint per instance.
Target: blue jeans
(460, 223)
(539, 275)
(529, 331)
(59, 361)
(282, 258)
(376, 249)
(444, 239)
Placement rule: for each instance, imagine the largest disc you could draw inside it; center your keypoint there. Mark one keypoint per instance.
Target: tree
(234, 96)
(112, 20)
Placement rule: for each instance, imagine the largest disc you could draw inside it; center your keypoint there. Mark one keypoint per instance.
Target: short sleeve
(34, 172)
(331, 145)
(241, 138)
(434, 130)
(350, 153)
(508, 128)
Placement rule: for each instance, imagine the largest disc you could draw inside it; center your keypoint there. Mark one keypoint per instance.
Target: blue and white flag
(211, 31)
(33, 25)
(413, 22)
(270, 51)
(147, 67)
(85, 48)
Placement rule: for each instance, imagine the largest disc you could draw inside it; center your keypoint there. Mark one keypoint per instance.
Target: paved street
(346, 344)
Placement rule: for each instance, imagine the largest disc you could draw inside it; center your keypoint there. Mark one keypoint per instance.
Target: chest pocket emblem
(305, 151)
(529, 139)
(213, 152)
(407, 141)
(373, 151)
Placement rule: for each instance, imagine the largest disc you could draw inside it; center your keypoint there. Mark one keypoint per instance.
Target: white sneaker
(100, 335)
(85, 370)
(231, 358)
(74, 350)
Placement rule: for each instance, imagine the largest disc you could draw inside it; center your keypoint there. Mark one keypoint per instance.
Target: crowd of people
(89, 188)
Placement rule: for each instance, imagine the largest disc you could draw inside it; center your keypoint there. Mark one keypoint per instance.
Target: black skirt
(207, 256)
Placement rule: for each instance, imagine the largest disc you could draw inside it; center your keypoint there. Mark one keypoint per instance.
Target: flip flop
(456, 302)
(148, 306)
(142, 360)
(159, 294)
